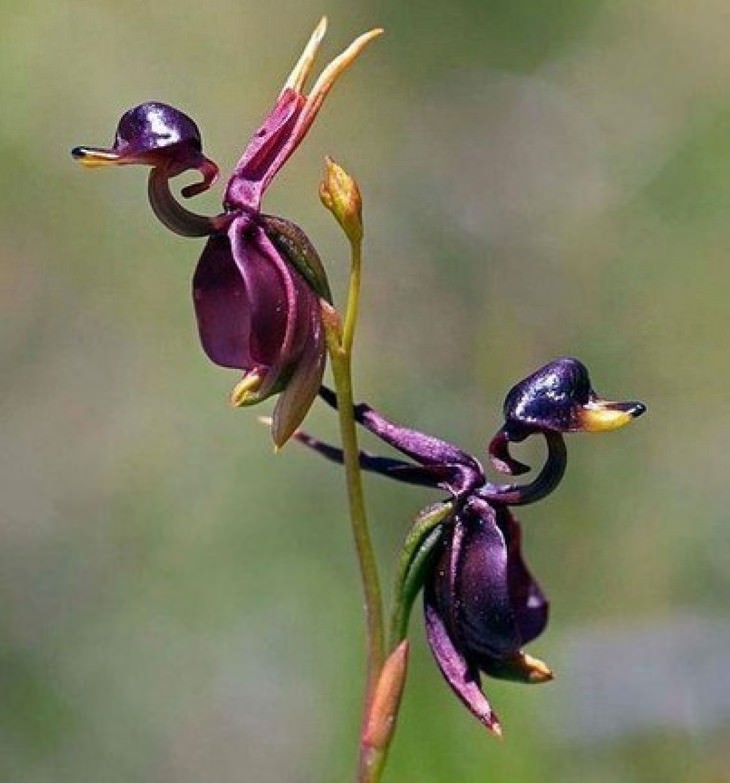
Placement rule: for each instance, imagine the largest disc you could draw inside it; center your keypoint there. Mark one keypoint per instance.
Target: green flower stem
(353, 298)
(361, 533)
(373, 761)
(339, 345)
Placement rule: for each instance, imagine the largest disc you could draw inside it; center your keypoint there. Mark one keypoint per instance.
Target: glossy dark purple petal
(482, 604)
(476, 590)
(528, 601)
(246, 300)
(271, 292)
(222, 306)
(255, 312)
(458, 670)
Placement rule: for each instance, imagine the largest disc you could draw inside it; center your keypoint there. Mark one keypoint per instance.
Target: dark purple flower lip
(555, 400)
(559, 397)
(158, 135)
(163, 137)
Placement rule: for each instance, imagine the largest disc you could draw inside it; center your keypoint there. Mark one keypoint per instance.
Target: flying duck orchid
(259, 280)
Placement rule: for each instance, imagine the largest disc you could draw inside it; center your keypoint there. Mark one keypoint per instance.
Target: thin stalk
(353, 299)
(360, 530)
(339, 345)
(373, 763)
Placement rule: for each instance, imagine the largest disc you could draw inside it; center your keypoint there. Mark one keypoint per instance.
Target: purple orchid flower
(259, 280)
(481, 603)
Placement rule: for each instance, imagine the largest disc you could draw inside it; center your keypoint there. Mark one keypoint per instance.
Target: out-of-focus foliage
(179, 604)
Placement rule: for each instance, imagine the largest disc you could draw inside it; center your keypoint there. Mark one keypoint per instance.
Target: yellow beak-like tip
(93, 157)
(602, 416)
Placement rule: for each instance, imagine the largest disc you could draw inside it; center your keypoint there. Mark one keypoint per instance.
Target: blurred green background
(179, 604)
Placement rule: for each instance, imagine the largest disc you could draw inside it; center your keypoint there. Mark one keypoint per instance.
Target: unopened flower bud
(340, 194)
(386, 701)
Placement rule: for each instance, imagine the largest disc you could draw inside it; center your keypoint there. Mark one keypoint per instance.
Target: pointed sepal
(461, 674)
(417, 554)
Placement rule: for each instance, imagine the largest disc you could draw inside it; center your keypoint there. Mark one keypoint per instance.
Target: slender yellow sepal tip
(302, 69)
(603, 416)
(496, 729)
(327, 78)
(332, 72)
(340, 64)
(340, 194)
(245, 391)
